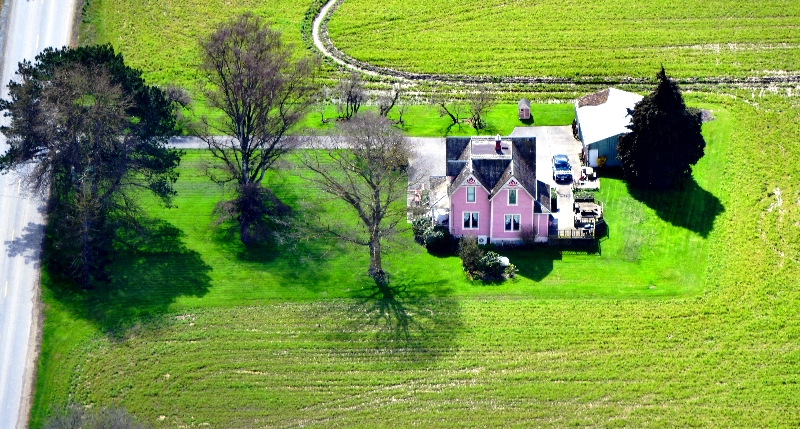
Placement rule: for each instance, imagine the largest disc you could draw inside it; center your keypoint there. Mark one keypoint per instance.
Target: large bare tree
(365, 164)
(263, 91)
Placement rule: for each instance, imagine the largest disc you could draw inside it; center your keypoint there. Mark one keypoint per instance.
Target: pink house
(493, 190)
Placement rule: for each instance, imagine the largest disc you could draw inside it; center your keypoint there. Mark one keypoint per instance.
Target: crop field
(557, 38)
(161, 37)
(687, 316)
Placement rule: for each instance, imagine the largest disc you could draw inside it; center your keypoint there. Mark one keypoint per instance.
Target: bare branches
(262, 91)
(351, 95)
(387, 100)
(480, 102)
(448, 105)
(366, 165)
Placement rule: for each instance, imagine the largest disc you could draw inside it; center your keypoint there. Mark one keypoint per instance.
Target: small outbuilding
(524, 109)
(600, 119)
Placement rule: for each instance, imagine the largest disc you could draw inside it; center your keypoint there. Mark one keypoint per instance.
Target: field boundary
(321, 12)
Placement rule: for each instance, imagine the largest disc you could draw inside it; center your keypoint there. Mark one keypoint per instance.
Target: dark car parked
(562, 171)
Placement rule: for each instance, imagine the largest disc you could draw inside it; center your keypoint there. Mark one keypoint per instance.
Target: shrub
(528, 235)
(419, 224)
(437, 240)
(510, 271)
(470, 254)
(490, 266)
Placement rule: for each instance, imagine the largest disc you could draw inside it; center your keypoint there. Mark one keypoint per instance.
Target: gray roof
(489, 171)
(524, 103)
(455, 147)
(493, 173)
(454, 167)
(543, 195)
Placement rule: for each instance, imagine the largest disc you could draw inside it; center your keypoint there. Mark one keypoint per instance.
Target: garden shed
(524, 109)
(600, 119)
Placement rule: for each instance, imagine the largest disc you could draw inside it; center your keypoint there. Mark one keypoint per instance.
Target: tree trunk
(375, 267)
(86, 256)
(447, 111)
(244, 226)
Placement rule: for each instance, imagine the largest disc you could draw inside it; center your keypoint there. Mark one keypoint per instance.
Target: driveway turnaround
(32, 25)
(551, 141)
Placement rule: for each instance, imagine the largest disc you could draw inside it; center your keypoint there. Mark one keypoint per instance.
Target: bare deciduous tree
(387, 100)
(448, 105)
(351, 95)
(263, 92)
(402, 108)
(366, 165)
(480, 101)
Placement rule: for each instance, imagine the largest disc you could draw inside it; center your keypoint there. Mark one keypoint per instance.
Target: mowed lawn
(687, 316)
(692, 38)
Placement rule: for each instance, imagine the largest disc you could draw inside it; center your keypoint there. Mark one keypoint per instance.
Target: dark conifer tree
(665, 139)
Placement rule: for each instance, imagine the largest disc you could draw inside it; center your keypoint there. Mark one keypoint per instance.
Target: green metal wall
(608, 148)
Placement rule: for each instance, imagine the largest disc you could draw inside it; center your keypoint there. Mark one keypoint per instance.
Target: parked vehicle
(562, 170)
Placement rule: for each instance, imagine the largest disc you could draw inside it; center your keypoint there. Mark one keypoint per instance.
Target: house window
(470, 194)
(512, 197)
(470, 220)
(512, 223)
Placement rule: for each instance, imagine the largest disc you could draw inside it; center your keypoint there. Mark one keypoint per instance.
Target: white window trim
(508, 197)
(512, 222)
(474, 193)
(471, 228)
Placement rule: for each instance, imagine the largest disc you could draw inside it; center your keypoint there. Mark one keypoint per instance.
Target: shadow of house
(688, 206)
(151, 268)
(534, 264)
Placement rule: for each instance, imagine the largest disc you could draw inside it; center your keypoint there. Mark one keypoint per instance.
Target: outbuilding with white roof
(600, 119)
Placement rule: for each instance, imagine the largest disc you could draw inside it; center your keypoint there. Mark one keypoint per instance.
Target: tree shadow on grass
(151, 268)
(28, 244)
(415, 320)
(688, 206)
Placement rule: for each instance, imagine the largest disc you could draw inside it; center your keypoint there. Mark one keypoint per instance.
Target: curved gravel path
(323, 43)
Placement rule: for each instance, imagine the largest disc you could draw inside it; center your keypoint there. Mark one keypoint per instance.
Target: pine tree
(665, 139)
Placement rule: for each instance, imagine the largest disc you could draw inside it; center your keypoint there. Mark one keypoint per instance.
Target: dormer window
(470, 194)
(512, 197)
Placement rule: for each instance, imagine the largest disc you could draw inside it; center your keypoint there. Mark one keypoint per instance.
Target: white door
(593, 158)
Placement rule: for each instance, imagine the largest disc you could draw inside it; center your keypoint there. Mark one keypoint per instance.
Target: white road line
(19, 183)
(37, 38)
(6, 292)
(12, 235)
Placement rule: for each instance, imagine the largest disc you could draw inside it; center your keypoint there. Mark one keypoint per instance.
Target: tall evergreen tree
(665, 139)
(86, 133)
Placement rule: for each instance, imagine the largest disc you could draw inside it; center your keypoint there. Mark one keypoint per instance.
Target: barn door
(593, 158)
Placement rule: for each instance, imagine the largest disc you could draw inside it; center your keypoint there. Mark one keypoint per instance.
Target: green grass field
(687, 316)
(555, 38)
(424, 120)
(161, 38)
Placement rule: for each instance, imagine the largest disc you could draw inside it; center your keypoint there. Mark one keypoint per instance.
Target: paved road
(32, 26)
(430, 152)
